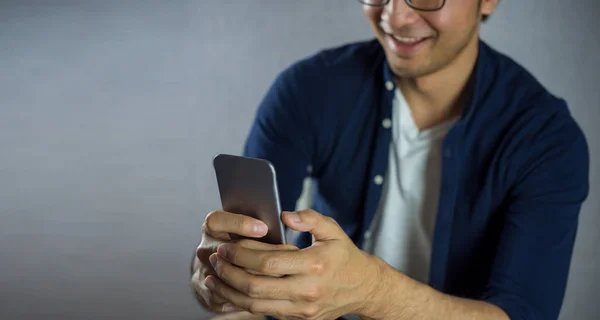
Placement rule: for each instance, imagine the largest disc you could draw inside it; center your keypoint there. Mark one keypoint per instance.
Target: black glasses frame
(408, 2)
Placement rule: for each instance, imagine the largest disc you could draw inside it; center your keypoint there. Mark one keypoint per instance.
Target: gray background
(112, 110)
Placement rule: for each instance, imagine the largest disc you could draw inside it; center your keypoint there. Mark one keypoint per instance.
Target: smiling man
(448, 181)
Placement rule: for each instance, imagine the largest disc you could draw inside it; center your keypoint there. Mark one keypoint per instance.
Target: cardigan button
(386, 123)
(378, 180)
(389, 85)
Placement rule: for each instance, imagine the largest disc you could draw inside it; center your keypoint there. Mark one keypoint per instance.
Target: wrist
(376, 293)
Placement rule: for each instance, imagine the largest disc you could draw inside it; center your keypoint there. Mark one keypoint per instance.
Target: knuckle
(291, 261)
(252, 289)
(312, 294)
(254, 308)
(273, 292)
(285, 262)
(211, 220)
(239, 225)
(245, 225)
(268, 265)
(331, 220)
(309, 312)
(317, 267)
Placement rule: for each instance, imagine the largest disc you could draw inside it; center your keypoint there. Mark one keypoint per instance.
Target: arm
(531, 266)
(400, 297)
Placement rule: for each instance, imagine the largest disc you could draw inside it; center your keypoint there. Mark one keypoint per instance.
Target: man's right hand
(216, 230)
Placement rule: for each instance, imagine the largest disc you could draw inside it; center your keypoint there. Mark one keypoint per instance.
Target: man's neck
(440, 96)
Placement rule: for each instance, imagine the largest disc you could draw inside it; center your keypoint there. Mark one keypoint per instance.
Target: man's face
(418, 43)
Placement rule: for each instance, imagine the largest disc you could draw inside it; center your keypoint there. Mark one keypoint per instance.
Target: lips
(405, 46)
(407, 40)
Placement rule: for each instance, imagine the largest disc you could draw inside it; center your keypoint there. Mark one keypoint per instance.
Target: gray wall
(112, 110)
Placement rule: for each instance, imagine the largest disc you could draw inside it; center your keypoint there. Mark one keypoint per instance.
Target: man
(448, 181)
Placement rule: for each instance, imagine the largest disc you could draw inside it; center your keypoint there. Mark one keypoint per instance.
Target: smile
(407, 40)
(405, 46)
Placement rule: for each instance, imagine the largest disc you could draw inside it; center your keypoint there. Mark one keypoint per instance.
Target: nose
(397, 14)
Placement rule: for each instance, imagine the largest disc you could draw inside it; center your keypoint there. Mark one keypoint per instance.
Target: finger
(199, 289)
(211, 236)
(202, 253)
(210, 300)
(216, 300)
(257, 245)
(322, 228)
(254, 286)
(281, 262)
(244, 302)
(219, 222)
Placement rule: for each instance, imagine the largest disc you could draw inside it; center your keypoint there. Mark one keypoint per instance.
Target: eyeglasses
(421, 5)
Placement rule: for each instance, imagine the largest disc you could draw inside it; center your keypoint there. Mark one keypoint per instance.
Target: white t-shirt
(402, 231)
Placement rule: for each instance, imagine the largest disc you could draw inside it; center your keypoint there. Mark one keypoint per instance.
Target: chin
(409, 68)
(409, 73)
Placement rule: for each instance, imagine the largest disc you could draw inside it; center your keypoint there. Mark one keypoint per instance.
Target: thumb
(321, 227)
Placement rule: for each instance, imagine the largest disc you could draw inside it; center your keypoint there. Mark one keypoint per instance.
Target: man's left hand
(329, 279)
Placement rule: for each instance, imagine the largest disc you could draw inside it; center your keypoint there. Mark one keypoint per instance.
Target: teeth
(405, 39)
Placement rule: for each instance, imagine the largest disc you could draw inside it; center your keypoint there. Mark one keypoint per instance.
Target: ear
(487, 7)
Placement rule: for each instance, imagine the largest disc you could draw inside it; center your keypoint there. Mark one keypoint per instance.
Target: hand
(215, 231)
(327, 280)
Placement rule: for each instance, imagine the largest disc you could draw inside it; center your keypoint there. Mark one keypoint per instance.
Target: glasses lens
(426, 4)
(373, 2)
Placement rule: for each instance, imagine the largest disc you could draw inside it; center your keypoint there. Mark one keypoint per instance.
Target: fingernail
(260, 229)
(222, 250)
(295, 217)
(228, 307)
(213, 260)
(209, 283)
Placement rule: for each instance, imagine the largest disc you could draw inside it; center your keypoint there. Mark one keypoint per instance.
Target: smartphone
(248, 186)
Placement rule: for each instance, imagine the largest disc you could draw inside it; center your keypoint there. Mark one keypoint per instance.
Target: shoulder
(539, 134)
(352, 54)
(311, 89)
(348, 61)
(515, 96)
(515, 88)
(328, 74)
(324, 87)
